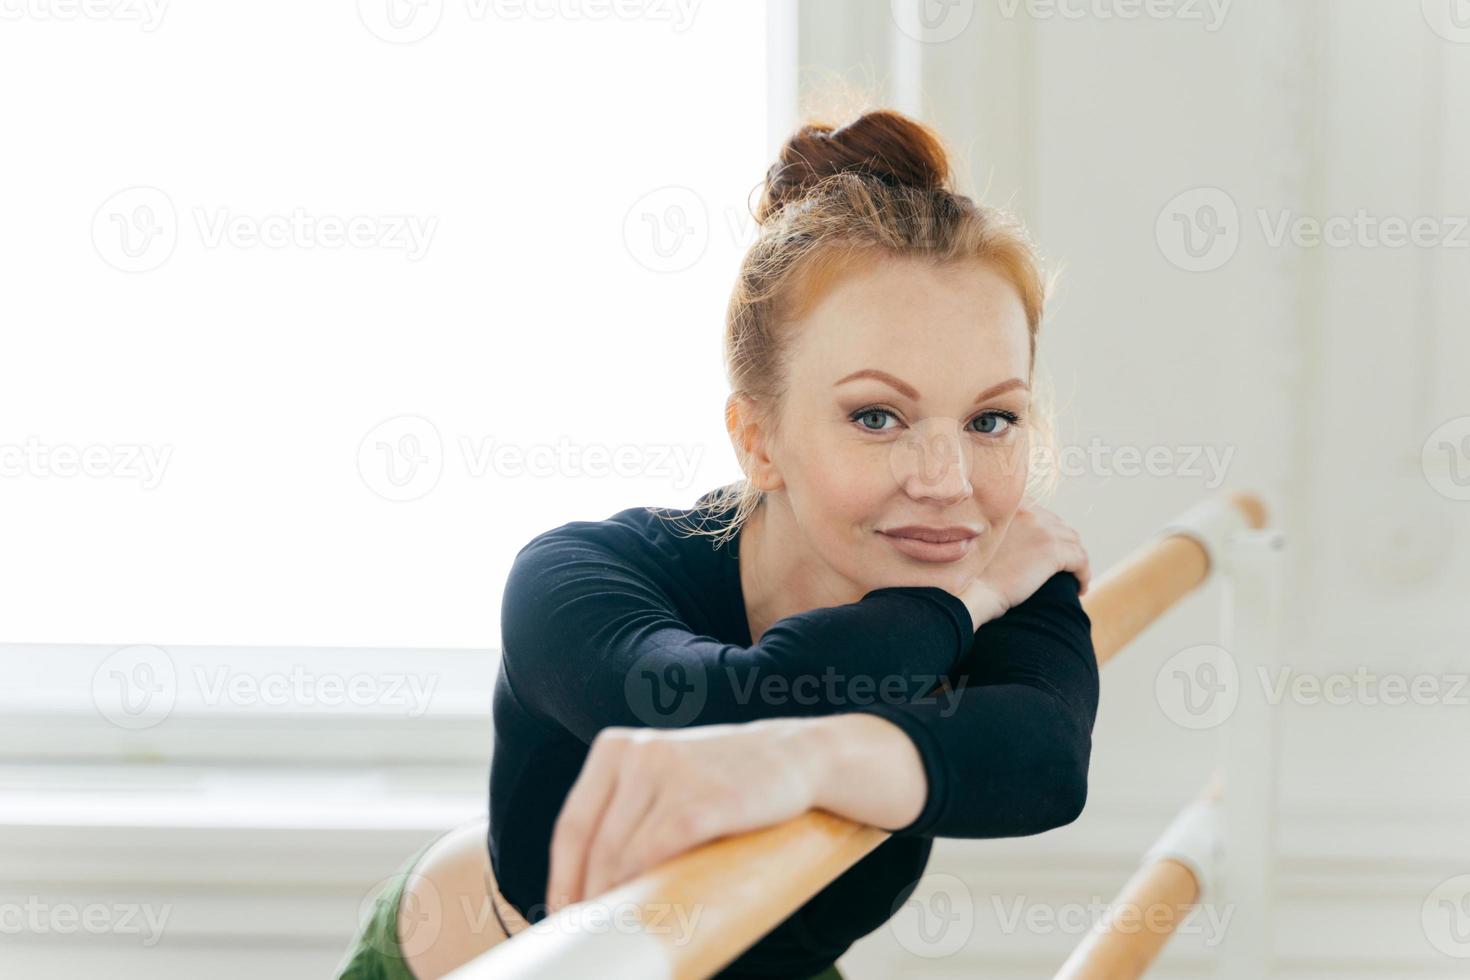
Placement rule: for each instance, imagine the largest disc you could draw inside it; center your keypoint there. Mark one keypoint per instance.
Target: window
(307, 333)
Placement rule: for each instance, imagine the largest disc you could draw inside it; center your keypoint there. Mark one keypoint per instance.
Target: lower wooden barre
(1153, 902)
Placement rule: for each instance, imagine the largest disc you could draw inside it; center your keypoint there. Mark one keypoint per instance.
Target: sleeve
(589, 640)
(1006, 746)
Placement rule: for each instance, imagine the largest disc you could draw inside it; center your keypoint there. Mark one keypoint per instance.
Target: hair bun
(884, 144)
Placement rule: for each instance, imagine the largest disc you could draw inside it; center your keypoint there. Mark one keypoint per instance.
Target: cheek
(847, 476)
(999, 474)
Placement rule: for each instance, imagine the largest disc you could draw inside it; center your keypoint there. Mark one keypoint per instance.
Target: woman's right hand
(1036, 546)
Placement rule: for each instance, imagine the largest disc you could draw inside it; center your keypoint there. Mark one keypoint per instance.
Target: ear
(751, 439)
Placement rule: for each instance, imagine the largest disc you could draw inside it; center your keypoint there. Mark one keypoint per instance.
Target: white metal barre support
(1251, 633)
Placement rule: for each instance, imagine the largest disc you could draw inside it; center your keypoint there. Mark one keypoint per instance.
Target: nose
(932, 462)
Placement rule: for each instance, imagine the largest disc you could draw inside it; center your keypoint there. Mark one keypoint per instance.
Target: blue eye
(993, 423)
(881, 413)
(995, 417)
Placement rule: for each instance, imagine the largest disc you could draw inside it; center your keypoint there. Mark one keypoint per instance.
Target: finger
(1074, 560)
(577, 822)
(634, 797)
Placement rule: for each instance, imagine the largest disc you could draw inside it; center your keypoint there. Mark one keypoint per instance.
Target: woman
(669, 677)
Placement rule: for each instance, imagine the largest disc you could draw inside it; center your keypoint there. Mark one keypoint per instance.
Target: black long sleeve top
(631, 621)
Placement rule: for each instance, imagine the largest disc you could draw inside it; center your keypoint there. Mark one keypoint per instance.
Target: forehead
(916, 319)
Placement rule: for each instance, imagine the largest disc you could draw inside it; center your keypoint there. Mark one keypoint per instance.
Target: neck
(779, 575)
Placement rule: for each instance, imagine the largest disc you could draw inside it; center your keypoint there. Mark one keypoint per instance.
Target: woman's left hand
(647, 794)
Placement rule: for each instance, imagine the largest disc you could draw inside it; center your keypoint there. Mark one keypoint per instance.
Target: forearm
(1003, 753)
(861, 767)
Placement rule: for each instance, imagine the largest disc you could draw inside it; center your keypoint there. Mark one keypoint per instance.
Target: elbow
(1071, 795)
(1070, 789)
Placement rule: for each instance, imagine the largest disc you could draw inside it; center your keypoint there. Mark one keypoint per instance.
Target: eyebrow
(911, 393)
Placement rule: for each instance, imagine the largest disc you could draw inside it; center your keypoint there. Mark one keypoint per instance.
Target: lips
(935, 535)
(931, 544)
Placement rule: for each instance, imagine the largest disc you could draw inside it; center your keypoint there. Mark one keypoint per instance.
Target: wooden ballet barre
(736, 889)
(1172, 878)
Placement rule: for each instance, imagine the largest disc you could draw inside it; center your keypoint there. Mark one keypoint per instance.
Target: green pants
(375, 953)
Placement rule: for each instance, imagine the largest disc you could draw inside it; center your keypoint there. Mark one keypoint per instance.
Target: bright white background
(580, 190)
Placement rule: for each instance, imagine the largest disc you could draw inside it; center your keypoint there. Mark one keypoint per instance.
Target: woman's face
(907, 409)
